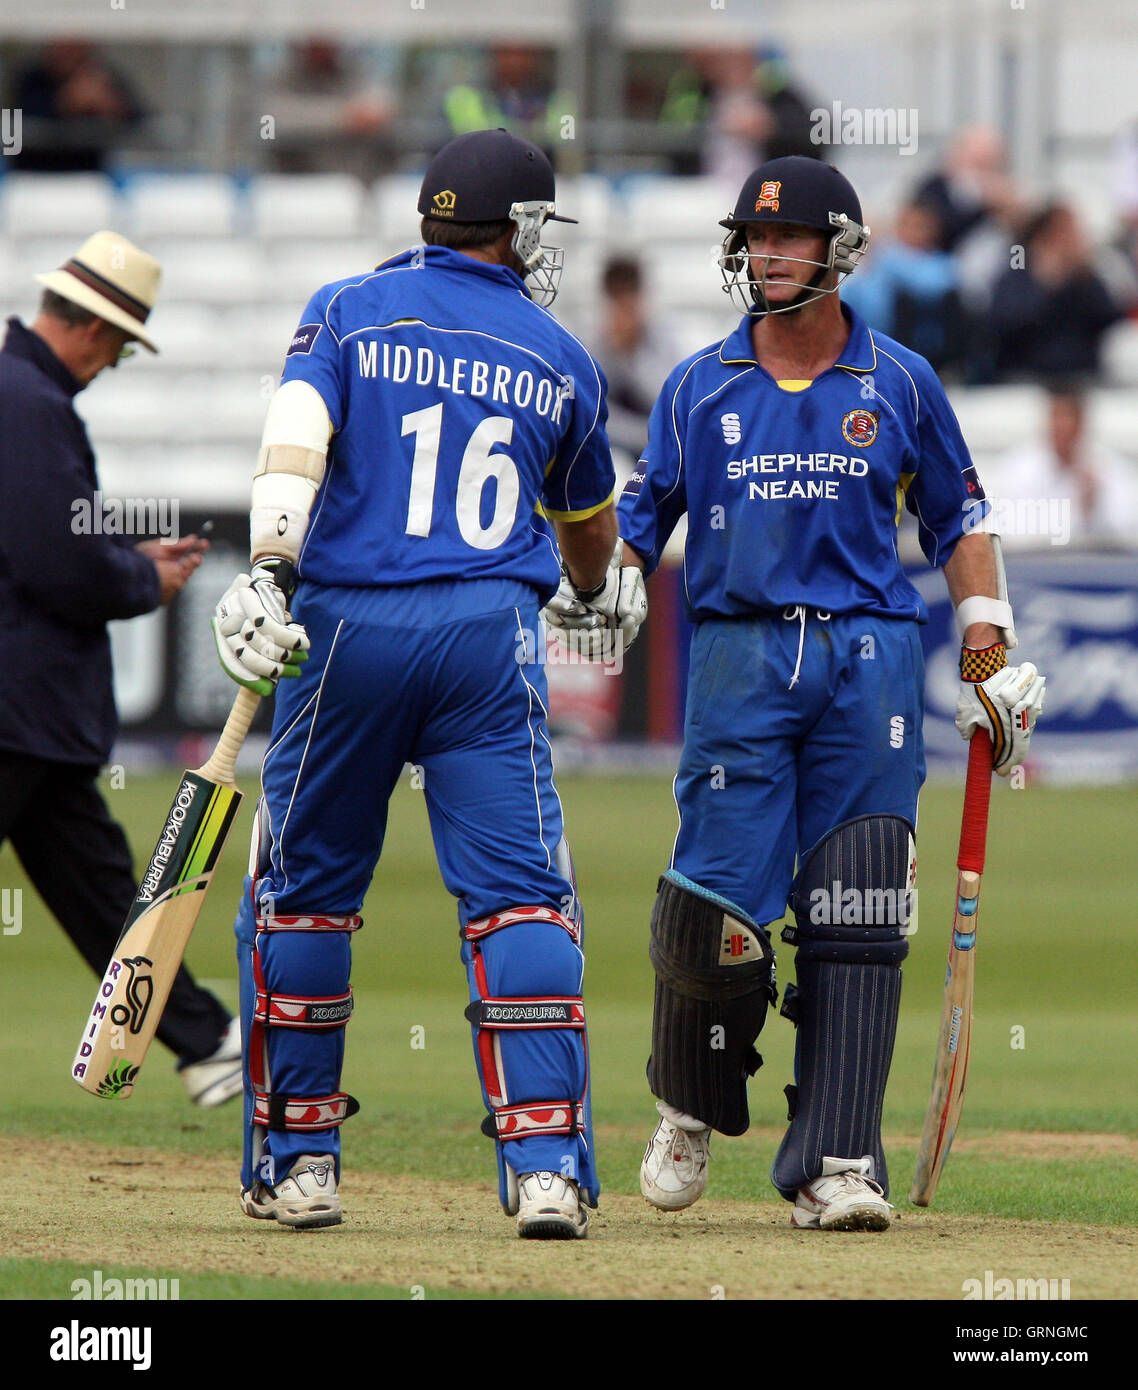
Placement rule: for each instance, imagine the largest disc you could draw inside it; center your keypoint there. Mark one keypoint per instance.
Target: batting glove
(257, 641)
(619, 604)
(1003, 700)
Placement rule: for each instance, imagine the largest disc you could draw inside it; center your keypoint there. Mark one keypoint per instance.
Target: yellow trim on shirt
(902, 489)
(583, 515)
(792, 383)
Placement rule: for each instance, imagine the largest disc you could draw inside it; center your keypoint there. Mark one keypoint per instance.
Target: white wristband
(981, 609)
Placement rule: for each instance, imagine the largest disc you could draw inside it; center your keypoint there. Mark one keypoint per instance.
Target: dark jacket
(1041, 331)
(58, 587)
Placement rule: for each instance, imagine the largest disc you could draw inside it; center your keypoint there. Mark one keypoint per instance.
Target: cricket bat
(137, 983)
(950, 1070)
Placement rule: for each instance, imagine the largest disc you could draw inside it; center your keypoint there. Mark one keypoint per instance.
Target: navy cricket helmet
(805, 192)
(493, 176)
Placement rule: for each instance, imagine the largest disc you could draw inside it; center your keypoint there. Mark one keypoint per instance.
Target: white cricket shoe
(674, 1171)
(549, 1208)
(217, 1078)
(844, 1198)
(305, 1200)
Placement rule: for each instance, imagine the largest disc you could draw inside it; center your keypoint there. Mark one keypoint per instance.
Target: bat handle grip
(223, 760)
(977, 795)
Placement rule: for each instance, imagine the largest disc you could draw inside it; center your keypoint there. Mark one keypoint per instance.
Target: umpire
(60, 584)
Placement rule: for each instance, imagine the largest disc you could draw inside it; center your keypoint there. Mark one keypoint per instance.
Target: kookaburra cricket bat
(951, 1068)
(137, 983)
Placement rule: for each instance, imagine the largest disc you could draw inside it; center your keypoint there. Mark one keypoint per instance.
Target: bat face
(137, 983)
(950, 1071)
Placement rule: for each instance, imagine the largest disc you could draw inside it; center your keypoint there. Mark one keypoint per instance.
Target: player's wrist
(591, 594)
(280, 570)
(978, 664)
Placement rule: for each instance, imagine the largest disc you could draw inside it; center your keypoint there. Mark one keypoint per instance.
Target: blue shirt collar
(858, 355)
(443, 258)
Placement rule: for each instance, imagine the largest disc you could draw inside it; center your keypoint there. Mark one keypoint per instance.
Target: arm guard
(979, 608)
(290, 466)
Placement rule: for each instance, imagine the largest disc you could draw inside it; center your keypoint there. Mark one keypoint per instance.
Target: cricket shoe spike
(549, 1208)
(306, 1200)
(674, 1171)
(844, 1198)
(218, 1077)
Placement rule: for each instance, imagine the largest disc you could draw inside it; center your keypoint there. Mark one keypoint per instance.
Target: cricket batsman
(437, 446)
(792, 446)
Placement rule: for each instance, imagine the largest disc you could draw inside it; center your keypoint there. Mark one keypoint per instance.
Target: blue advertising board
(1077, 621)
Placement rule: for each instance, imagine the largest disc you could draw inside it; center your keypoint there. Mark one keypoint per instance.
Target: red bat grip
(977, 793)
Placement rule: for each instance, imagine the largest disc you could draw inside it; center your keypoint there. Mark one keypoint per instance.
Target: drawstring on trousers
(789, 613)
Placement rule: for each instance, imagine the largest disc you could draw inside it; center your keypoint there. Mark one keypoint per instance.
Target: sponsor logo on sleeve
(634, 484)
(305, 339)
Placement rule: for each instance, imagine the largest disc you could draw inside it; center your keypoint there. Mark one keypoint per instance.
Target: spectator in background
(330, 114)
(76, 109)
(976, 204)
(748, 107)
(791, 121)
(908, 290)
(517, 96)
(1126, 189)
(973, 189)
(1048, 317)
(636, 353)
(1068, 484)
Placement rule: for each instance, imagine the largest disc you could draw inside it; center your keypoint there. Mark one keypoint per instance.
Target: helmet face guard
(848, 242)
(542, 264)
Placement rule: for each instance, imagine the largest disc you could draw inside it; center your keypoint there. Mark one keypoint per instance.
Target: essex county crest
(859, 428)
(768, 195)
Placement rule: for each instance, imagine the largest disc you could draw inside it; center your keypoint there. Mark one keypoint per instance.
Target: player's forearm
(587, 546)
(971, 570)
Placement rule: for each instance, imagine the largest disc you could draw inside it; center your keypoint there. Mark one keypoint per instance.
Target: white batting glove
(257, 641)
(619, 605)
(1003, 700)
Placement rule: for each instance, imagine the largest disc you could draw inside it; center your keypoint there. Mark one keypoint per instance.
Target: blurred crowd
(990, 285)
(991, 282)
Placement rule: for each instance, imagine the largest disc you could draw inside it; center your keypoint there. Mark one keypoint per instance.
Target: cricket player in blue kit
(436, 448)
(791, 447)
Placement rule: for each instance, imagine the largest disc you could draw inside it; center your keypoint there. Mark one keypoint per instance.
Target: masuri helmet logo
(444, 201)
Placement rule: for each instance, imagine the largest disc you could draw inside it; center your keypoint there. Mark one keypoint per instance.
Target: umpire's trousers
(79, 861)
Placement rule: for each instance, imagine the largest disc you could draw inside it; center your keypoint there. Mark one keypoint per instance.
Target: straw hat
(111, 278)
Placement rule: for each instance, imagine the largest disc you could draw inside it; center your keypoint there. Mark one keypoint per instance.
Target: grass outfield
(1049, 1126)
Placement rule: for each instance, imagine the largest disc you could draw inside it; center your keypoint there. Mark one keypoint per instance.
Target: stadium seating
(240, 260)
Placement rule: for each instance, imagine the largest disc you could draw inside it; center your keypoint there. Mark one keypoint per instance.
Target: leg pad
(714, 983)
